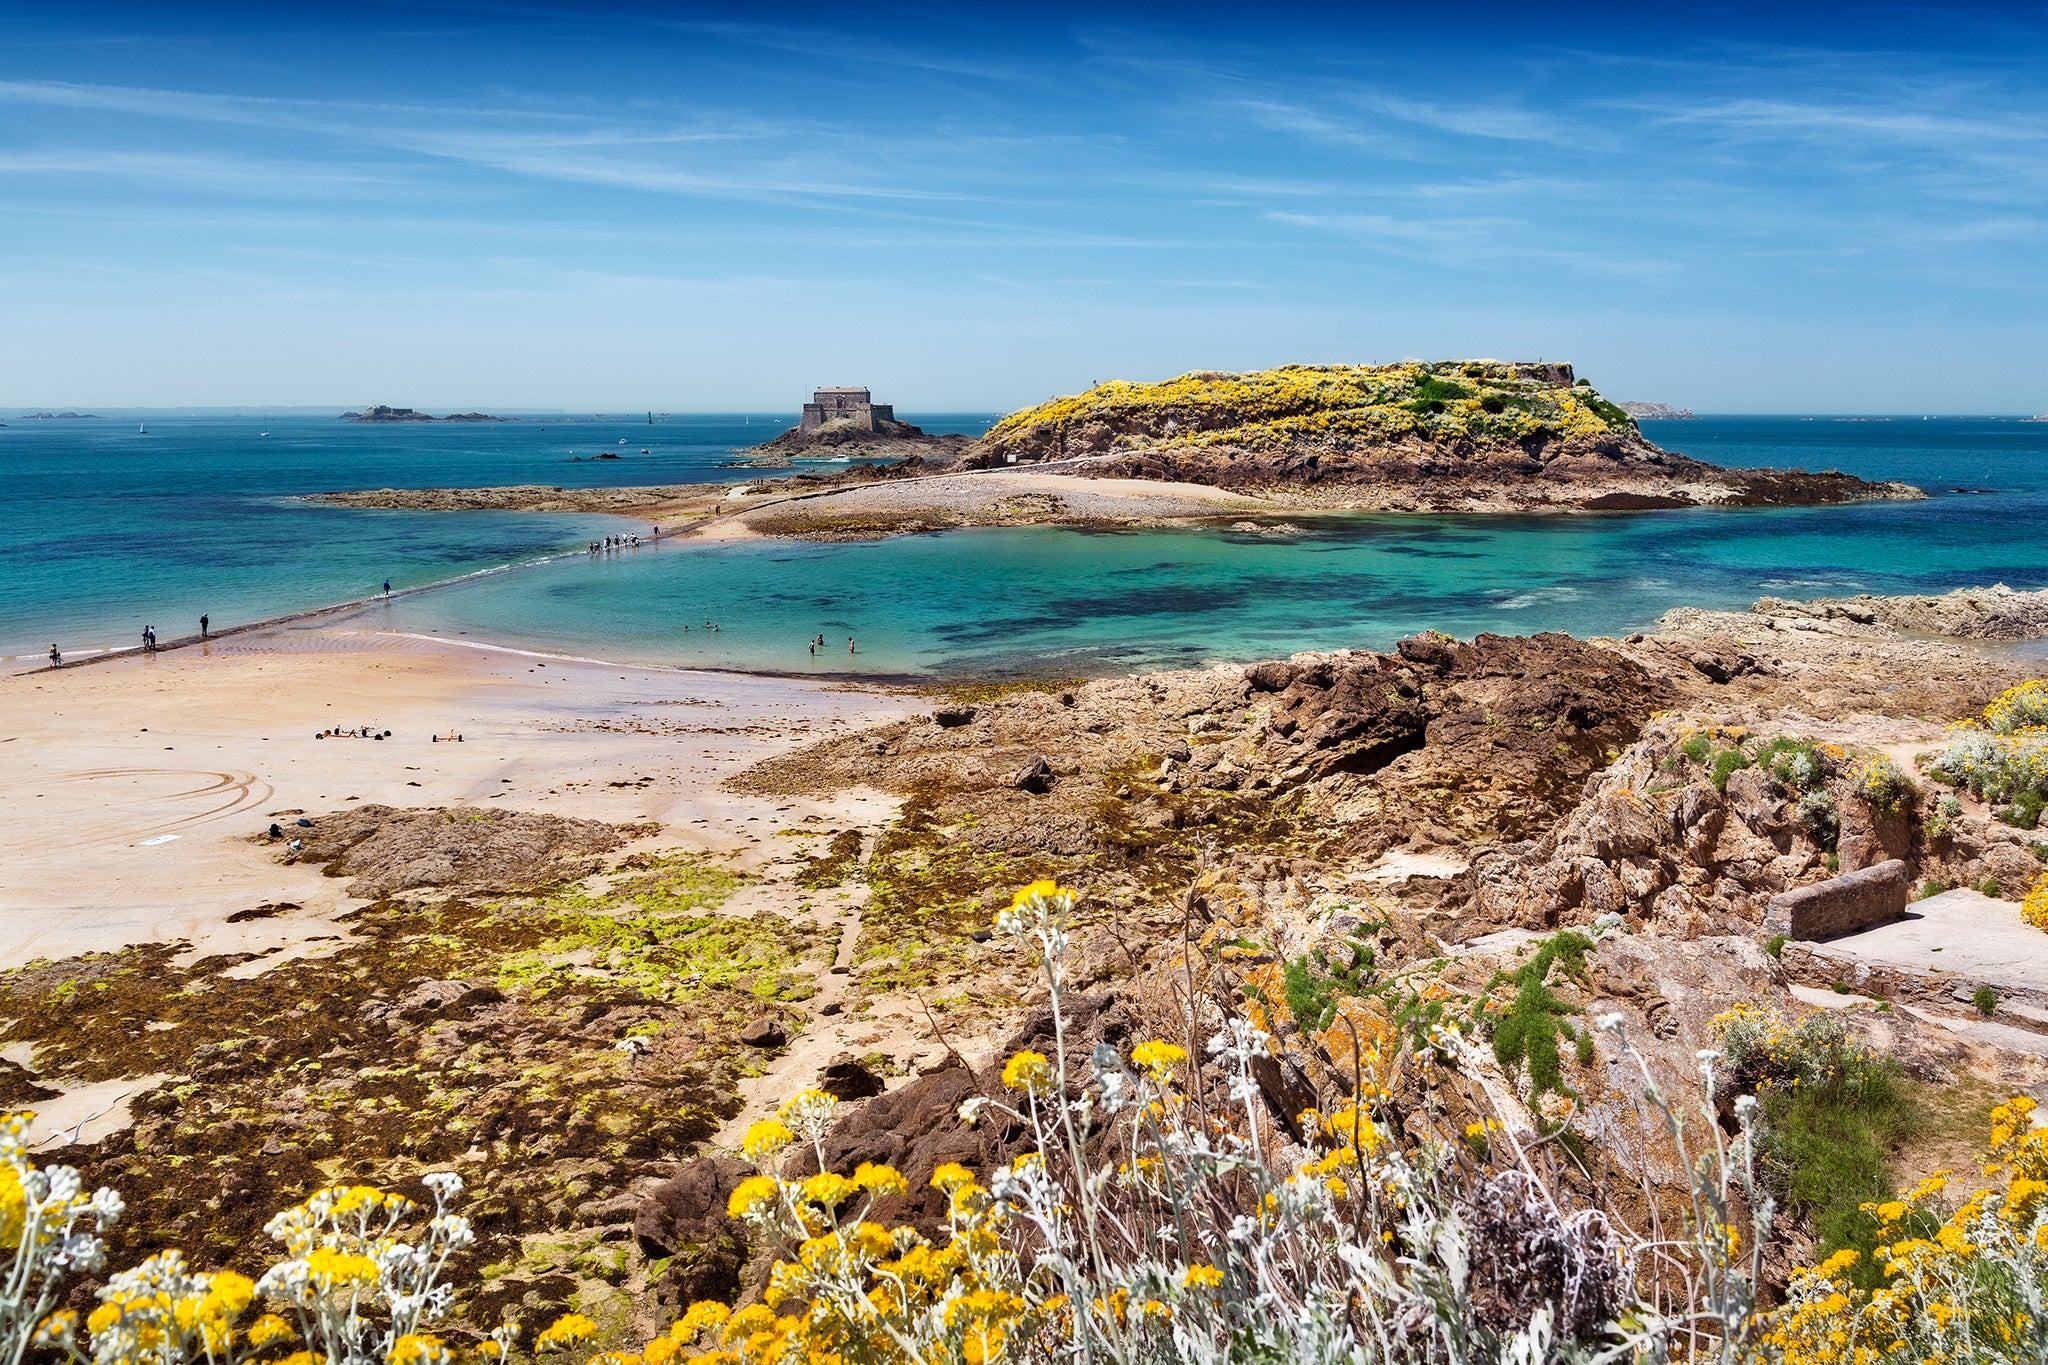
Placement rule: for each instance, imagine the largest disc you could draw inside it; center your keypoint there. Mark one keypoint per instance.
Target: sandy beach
(138, 789)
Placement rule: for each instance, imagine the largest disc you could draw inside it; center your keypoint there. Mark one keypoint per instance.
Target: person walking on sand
(202, 625)
(57, 659)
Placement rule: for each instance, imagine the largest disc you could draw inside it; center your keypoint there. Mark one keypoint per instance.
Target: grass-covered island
(1466, 435)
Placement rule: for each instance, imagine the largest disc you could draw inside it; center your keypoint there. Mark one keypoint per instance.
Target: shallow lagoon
(215, 528)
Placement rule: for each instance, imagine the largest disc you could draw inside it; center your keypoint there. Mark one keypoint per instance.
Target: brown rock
(764, 1032)
(849, 1078)
(684, 1219)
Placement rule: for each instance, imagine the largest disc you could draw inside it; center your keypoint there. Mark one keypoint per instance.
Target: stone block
(1847, 904)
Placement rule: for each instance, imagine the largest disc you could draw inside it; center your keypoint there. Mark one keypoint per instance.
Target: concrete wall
(1841, 905)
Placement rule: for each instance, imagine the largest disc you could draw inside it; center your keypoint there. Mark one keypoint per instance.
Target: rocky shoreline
(576, 1011)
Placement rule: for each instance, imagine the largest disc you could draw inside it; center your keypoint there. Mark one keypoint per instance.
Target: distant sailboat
(141, 429)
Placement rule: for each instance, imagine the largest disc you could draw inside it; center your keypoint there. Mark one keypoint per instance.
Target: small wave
(1538, 597)
(525, 653)
(1780, 583)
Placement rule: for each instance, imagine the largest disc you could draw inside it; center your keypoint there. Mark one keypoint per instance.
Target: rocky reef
(1474, 435)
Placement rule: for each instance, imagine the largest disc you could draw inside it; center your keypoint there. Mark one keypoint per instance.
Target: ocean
(109, 530)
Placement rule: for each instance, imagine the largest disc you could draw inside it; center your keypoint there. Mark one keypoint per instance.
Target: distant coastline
(380, 413)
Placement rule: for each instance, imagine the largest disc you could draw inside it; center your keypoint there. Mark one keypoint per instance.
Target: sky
(1784, 208)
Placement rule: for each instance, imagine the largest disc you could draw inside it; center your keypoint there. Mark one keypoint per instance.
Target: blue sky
(1792, 208)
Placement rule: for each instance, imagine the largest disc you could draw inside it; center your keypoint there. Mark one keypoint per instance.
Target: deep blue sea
(106, 530)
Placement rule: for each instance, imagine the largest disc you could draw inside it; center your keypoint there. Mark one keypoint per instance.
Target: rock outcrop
(887, 439)
(383, 849)
(1450, 435)
(1993, 613)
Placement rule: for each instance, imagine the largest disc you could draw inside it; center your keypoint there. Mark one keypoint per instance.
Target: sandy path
(982, 494)
(133, 789)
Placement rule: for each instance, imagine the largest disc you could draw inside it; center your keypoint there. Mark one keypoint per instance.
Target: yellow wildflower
(565, 1331)
(879, 1179)
(1159, 1057)
(700, 1315)
(420, 1348)
(752, 1193)
(1027, 1071)
(765, 1139)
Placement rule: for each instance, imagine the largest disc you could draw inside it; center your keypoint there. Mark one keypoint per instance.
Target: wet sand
(137, 791)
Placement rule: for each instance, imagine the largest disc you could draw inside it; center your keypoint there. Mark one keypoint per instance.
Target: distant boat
(141, 429)
(262, 433)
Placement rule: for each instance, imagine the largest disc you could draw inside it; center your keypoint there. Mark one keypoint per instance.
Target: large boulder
(683, 1220)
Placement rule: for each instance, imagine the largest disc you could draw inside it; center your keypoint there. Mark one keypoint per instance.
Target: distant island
(380, 413)
(847, 424)
(1657, 412)
(58, 416)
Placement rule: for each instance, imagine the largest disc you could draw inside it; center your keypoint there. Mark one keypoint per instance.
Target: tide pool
(991, 601)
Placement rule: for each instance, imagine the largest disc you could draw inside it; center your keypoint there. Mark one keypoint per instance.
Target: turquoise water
(105, 529)
(1043, 599)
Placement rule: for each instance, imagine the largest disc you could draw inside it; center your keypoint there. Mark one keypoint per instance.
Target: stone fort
(846, 405)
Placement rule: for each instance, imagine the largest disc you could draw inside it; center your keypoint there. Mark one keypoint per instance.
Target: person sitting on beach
(276, 830)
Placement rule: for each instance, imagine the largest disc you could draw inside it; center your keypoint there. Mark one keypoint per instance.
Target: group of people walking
(627, 542)
(149, 644)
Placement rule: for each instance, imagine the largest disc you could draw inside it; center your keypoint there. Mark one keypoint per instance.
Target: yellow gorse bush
(1334, 403)
(2021, 710)
(2034, 908)
(1967, 1287)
